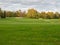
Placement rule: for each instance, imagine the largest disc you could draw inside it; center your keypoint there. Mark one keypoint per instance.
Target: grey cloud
(24, 4)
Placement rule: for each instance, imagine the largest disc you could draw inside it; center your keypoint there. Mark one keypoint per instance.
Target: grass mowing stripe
(15, 31)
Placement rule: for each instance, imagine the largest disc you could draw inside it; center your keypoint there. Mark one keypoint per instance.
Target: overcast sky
(41, 5)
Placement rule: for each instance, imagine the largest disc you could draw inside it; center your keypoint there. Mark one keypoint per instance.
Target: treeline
(31, 13)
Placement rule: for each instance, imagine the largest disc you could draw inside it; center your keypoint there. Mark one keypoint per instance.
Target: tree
(23, 14)
(57, 15)
(10, 14)
(43, 15)
(3, 14)
(50, 15)
(32, 13)
(18, 13)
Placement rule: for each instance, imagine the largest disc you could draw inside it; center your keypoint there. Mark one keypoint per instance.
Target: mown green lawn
(24, 31)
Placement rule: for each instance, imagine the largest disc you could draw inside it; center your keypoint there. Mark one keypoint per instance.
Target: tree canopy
(31, 13)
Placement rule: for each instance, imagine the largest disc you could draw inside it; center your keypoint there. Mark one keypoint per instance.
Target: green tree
(2, 13)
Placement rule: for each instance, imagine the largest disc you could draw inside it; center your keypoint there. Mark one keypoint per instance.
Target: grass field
(23, 31)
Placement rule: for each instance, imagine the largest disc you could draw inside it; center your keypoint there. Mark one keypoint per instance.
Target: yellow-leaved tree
(32, 13)
(50, 15)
